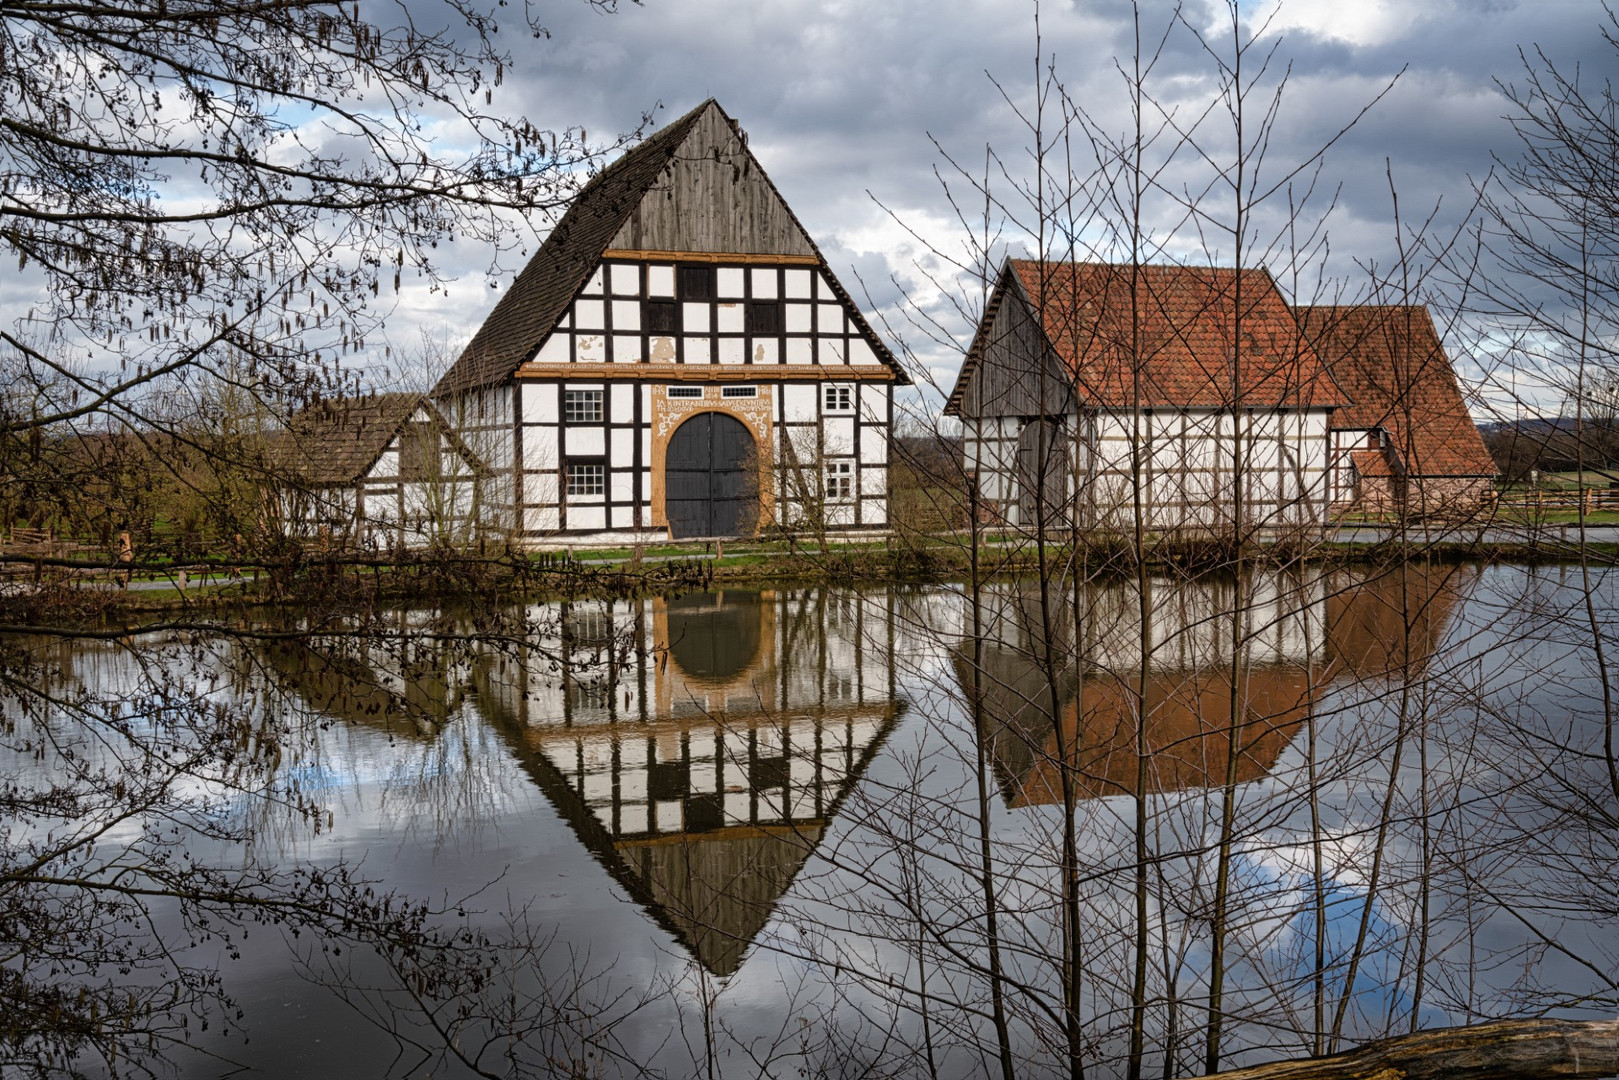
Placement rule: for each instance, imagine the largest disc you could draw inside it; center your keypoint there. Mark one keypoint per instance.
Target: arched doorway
(709, 486)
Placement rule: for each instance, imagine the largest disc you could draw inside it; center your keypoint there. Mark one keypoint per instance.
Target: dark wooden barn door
(709, 489)
(1041, 467)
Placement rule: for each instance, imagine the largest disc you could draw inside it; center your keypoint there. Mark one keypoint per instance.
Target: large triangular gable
(693, 188)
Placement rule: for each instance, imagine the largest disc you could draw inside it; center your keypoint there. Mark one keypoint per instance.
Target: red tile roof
(1177, 326)
(1392, 366)
(1371, 463)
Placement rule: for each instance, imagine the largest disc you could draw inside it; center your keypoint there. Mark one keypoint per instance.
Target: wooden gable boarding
(678, 283)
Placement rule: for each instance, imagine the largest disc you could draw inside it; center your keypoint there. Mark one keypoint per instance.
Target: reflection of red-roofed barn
(1406, 442)
(1321, 634)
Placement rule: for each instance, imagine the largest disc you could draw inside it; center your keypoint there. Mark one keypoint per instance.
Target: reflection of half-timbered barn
(1307, 636)
(700, 747)
(678, 359)
(1090, 389)
(1406, 442)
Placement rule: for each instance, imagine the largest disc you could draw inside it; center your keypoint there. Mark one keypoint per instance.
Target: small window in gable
(662, 317)
(764, 317)
(697, 283)
(837, 398)
(581, 406)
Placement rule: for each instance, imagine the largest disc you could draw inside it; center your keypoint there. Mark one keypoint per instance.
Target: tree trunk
(1504, 1050)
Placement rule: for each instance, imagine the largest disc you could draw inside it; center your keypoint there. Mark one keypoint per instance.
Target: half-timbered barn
(678, 360)
(381, 471)
(1093, 390)
(1406, 442)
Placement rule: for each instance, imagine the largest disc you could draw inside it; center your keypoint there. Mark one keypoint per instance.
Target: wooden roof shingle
(337, 441)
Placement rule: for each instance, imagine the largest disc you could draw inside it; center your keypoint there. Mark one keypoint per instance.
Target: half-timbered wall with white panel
(773, 344)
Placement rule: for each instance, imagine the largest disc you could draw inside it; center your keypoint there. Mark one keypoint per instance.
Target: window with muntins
(581, 406)
(839, 481)
(685, 391)
(838, 398)
(740, 391)
(586, 478)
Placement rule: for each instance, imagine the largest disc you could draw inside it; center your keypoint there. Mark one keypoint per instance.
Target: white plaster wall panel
(584, 442)
(728, 318)
(626, 279)
(829, 351)
(874, 511)
(387, 463)
(591, 348)
(839, 434)
(626, 348)
(840, 514)
(698, 350)
(626, 315)
(695, 317)
(646, 455)
(874, 446)
(873, 481)
(823, 288)
(796, 284)
(767, 351)
(542, 519)
(874, 404)
(798, 402)
(797, 318)
(539, 403)
(764, 283)
(829, 318)
(622, 450)
(803, 441)
(861, 352)
(589, 315)
(566, 321)
(586, 517)
(539, 459)
(660, 280)
(729, 282)
(621, 482)
(621, 405)
(733, 350)
(798, 351)
(593, 287)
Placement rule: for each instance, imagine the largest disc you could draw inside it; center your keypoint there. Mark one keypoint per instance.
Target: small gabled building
(678, 360)
(1406, 442)
(1091, 389)
(381, 471)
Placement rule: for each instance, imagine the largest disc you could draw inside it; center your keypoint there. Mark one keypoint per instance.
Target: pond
(785, 832)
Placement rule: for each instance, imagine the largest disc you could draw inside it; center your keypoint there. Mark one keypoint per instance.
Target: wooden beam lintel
(640, 255)
(683, 373)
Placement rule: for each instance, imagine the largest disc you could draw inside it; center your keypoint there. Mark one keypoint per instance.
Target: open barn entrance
(709, 486)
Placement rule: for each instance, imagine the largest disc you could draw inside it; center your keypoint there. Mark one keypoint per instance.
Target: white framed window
(581, 406)
(839, 481)
(740, 391)
(586, 478)
(685, 391)
(837, 398)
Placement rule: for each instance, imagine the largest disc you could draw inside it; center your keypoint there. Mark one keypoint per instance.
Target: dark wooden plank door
(709, 488)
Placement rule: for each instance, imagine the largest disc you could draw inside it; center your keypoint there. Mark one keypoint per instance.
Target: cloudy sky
(855, 110)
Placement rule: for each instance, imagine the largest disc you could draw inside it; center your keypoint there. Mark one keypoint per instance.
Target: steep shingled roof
(1183, 335)
(337, 442)
(1390, 362)
(541, 293)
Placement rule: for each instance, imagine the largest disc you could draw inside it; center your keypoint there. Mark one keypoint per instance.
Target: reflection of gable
(711, 858)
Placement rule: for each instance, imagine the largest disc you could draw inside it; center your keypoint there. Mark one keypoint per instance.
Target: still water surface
(748, 828)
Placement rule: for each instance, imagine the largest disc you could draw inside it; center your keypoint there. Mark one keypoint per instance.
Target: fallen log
(1501, 1050)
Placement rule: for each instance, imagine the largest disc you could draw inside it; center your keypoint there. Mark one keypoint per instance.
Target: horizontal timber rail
(1503, 1050)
